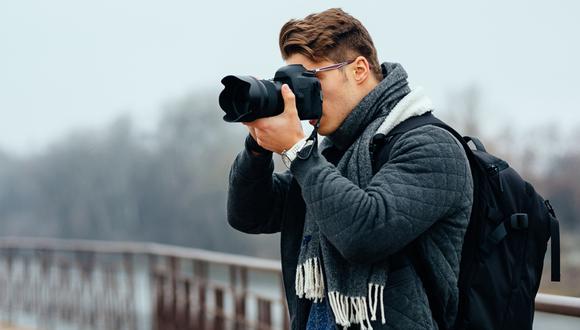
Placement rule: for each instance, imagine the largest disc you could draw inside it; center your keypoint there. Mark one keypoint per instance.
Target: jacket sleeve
(256, 195)
(424, 180)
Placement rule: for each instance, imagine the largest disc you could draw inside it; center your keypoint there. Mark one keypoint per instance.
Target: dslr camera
(245, 98)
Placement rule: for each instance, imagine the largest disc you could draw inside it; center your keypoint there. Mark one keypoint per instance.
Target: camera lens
(246, 98)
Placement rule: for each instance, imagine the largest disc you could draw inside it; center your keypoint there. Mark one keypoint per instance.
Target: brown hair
(331, 35)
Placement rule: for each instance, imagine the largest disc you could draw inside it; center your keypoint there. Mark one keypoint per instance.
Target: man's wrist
(254, 148)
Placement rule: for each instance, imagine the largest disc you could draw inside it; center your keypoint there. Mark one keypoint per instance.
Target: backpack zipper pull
(550, 208)
(494, 170)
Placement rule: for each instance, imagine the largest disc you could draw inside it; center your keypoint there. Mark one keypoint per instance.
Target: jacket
(420, 198)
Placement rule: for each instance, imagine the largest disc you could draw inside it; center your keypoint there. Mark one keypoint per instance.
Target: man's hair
(331, 35)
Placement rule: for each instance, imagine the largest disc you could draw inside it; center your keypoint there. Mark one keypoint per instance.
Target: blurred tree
(118, 183)
(562, 186)
(169, 185)
(463, 110)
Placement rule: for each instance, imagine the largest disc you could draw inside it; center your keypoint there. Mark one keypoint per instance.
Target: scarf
(354, 290)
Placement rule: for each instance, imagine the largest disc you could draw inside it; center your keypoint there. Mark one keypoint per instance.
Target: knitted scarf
(355, 291)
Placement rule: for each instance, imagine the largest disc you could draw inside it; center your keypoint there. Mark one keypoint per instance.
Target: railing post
(43, 297)
(9, 267)
(159, 281)
(200, 278)
(219, 319)
(187, 307)
(130, 321)
(264, 314)
(27, 281)
(63, 289)
(156, 291)
(173, 273)
(239, 274)
(110, 287)
(86, 261)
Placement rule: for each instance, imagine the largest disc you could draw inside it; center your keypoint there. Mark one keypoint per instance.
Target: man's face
(339, 92)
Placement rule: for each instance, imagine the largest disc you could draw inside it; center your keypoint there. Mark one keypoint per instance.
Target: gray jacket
(422, 195)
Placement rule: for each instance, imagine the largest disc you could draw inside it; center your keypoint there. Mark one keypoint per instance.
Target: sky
(68, 64)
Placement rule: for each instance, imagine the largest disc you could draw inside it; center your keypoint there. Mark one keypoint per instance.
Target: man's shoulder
(427, 141)
(433, 149)
(430, 135)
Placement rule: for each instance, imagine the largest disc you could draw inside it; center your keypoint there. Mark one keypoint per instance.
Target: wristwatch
(289, 155)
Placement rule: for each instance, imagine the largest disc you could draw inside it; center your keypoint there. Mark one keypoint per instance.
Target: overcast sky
(74, 64)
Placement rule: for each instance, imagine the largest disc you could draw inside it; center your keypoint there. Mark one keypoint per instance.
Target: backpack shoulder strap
(382, 144)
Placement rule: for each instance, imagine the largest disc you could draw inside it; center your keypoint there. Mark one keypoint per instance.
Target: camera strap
(310, 144)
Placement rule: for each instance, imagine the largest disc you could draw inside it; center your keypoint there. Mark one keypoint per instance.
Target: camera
(246, 98)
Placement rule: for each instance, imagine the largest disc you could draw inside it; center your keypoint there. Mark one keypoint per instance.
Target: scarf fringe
(347, 310)
(350, 310)
(309, 280)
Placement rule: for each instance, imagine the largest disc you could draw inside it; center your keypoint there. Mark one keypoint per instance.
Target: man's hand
(280, 132)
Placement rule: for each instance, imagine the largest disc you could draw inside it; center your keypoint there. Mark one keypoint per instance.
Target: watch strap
(289, 155)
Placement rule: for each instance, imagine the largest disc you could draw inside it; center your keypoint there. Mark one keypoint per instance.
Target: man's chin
(323, 130)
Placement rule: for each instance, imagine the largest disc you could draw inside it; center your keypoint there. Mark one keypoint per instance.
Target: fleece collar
(413, 104)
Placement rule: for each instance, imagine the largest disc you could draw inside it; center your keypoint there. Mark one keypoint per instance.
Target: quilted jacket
(422, 195)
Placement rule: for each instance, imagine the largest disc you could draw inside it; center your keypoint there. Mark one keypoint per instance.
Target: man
(353, 241)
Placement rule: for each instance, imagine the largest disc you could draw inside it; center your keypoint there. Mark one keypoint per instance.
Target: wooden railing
(121, 285)
(558, 304)
(52, 283)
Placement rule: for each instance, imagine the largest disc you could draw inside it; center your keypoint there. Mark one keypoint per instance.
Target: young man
(352, 241)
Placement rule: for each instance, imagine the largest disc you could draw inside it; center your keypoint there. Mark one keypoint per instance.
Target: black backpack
(505, 243)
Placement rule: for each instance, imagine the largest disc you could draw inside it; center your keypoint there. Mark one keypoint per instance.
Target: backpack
(505, 242)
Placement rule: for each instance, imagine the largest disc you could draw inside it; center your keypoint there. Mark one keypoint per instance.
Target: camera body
(246, 98)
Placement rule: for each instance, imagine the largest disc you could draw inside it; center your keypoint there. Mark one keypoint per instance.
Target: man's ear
(361, 69)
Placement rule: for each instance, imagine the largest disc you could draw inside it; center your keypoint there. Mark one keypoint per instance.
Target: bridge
(79, 284)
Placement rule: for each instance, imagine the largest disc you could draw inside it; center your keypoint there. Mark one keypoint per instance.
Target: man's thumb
(287, 95)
